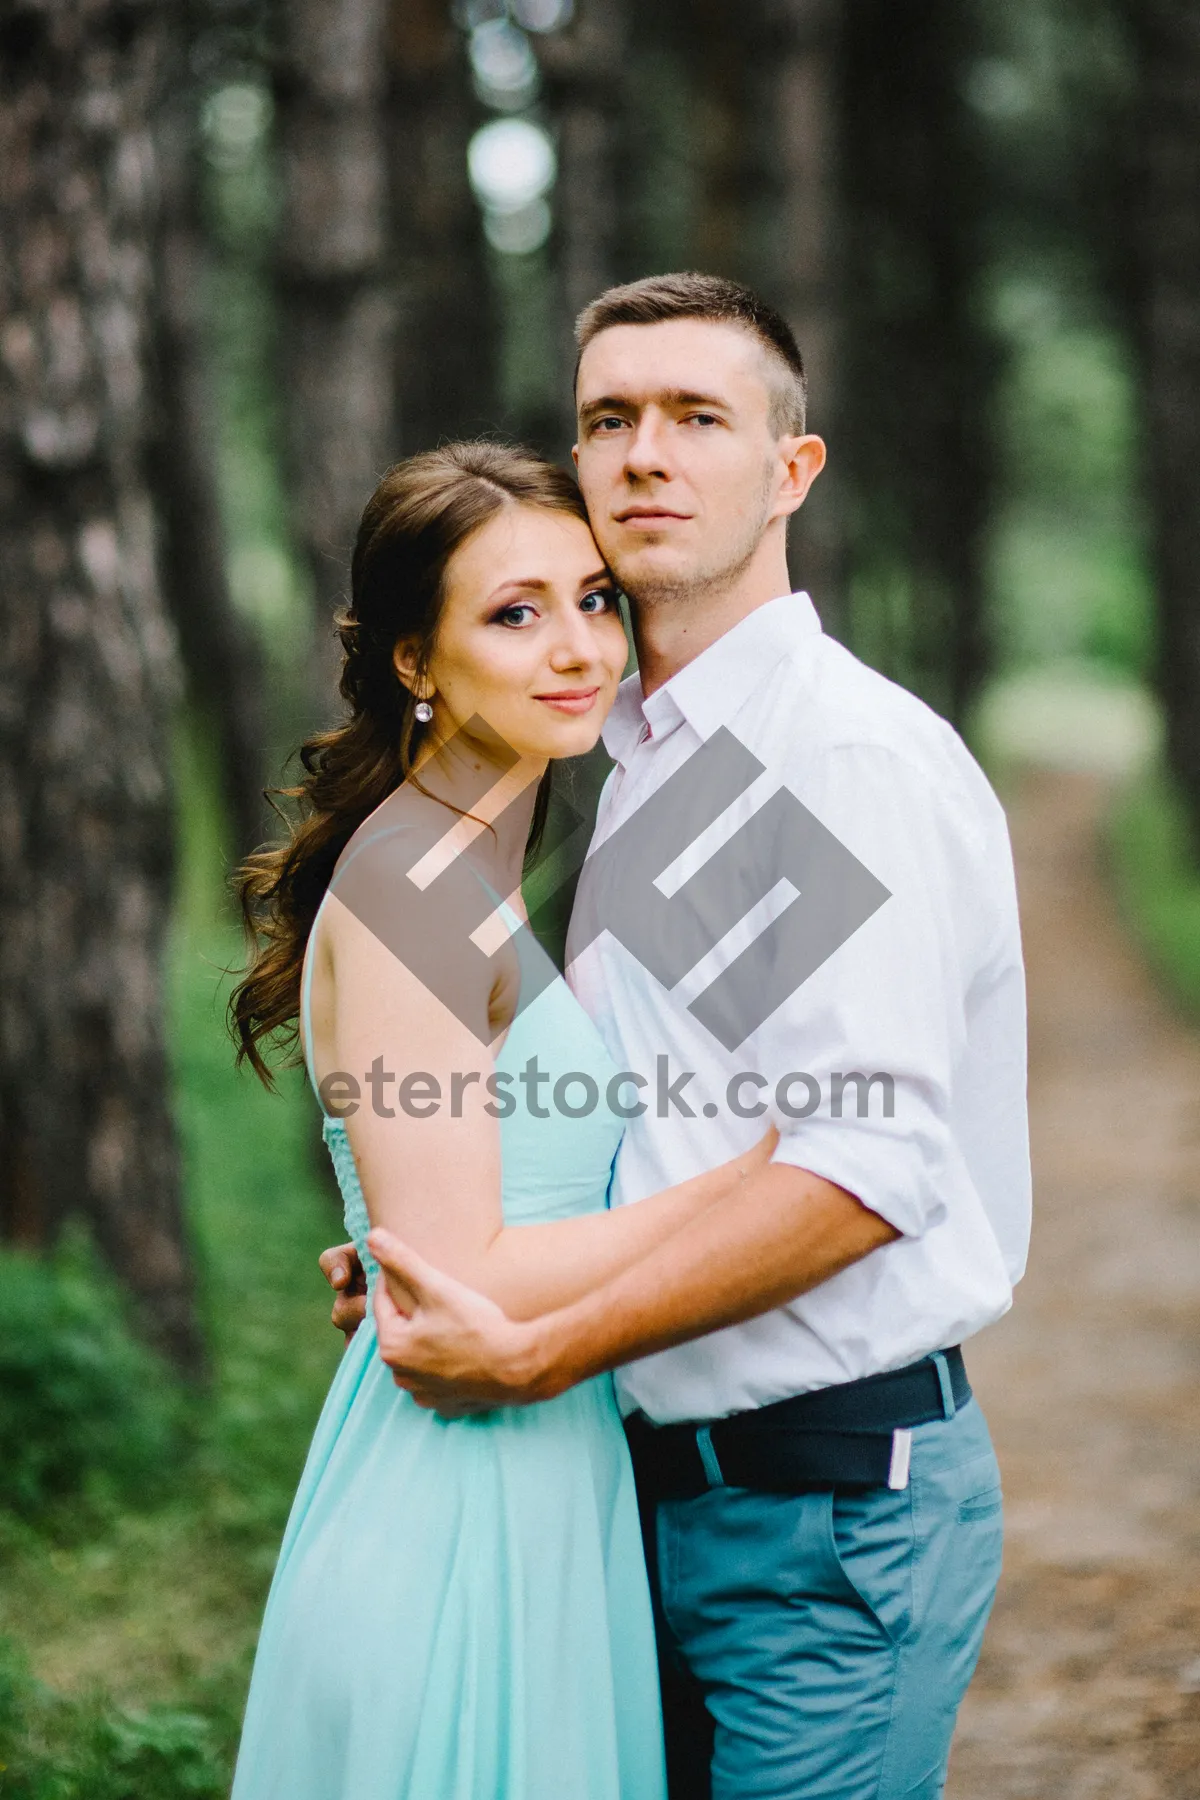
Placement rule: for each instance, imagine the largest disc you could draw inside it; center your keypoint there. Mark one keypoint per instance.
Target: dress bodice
(558, 1134)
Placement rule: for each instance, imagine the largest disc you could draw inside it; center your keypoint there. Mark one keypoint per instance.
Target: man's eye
(514, 615)
(599, 600)
(703, 419)
(609, 424)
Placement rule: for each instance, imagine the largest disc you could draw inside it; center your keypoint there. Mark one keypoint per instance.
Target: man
(820, 1495)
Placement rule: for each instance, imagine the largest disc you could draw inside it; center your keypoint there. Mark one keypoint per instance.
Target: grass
(1158, 881)
(127, 1630)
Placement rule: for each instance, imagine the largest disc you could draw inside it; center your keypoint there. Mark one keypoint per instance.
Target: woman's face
(530, 637)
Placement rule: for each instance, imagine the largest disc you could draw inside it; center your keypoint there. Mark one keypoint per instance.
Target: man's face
(678, 461)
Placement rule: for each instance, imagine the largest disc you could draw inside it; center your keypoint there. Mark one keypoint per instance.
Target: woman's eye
(514, 615)
(599, 600)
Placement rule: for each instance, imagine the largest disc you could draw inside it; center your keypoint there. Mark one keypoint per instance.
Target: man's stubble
(708, 578)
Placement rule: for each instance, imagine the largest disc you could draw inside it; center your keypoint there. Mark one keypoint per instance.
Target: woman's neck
(492, 796)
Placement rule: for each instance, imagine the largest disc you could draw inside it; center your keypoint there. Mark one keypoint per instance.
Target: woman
(460, 1608)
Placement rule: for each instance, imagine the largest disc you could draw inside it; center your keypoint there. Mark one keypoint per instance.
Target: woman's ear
(404, 660)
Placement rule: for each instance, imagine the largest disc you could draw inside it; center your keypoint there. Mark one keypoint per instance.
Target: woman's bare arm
(535, 1269)
(434, 1180)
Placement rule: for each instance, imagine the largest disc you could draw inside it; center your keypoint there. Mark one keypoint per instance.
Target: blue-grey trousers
(817, 1646)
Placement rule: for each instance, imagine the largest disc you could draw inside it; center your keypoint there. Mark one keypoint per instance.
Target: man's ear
(575, 454)
(803, 459)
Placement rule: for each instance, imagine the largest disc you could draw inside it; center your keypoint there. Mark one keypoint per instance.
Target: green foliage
(263, 1204)
(85, 1411)
(1159, 882)
(139, 1609)
(54, 1748)
(1068, 564)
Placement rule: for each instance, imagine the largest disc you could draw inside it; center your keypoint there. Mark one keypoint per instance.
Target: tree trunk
(794, 116)
(918, 366)
(337, 311)
(446, 343)
(88, 669)
(691, 177)
(221, 653)
(732, 167)
(583, 66)
(1166, 231)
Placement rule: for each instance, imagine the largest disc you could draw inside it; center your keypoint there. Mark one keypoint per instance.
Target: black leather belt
(851, 1436)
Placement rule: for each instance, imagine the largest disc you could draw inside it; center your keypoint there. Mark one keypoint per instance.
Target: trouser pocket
(871, 1543)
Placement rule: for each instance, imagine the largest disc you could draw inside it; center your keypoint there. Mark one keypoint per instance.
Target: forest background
(251, 251)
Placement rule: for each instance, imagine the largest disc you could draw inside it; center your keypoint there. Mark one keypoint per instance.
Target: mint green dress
(460, 1609)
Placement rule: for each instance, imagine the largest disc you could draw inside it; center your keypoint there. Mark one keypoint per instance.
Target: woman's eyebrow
(525, 584)
(522, 582)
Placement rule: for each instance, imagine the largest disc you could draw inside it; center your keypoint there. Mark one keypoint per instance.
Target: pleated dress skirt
(460, 1609)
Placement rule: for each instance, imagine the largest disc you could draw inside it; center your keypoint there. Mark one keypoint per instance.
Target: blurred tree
(730, 165)
(337, 309)
(221, 654)
(88, 669)
(824, 154)
(795, 124)
(1165, 223)
(584, 66)
(446, 348)
(916, 365)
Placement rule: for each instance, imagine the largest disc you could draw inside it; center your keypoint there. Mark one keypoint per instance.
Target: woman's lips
(571, 700)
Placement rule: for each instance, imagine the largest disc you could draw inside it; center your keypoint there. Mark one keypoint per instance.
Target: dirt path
(1089, 1683)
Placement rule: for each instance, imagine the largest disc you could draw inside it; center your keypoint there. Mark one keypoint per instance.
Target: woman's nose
(573, 646)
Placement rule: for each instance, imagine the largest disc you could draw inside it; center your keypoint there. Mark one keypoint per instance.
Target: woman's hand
(344, 1272)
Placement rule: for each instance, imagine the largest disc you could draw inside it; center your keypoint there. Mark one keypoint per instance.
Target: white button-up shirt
(929, 991)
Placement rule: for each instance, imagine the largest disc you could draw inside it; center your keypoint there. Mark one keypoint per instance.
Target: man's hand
(344, 1273)
(454, 1350)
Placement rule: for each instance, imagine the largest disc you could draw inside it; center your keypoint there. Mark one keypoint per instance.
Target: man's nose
(645, 451)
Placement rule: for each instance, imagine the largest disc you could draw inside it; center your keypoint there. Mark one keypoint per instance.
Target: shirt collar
(709, 690)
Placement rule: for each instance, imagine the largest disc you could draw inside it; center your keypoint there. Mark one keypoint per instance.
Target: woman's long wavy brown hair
(423, 510)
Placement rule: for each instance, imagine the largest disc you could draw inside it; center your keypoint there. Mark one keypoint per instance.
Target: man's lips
(648, 515)
(570, 700)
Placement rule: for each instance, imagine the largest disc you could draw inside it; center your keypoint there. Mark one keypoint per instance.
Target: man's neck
(672, 630)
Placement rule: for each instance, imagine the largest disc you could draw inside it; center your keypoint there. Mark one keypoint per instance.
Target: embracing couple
(762, 1155)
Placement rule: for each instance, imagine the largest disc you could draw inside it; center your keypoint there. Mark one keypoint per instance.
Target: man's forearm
(788, 1231)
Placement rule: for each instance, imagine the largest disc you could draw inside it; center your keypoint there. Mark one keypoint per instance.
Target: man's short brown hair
(694, 296)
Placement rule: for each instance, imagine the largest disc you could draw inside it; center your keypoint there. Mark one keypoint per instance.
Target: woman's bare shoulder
(420, 901)
(396, 835)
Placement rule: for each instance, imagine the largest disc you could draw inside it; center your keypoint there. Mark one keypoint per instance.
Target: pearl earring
(423, 711)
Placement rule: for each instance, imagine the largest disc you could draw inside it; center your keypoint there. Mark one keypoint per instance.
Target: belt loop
(708, 1456)
(944, 1382)
(901, 1459)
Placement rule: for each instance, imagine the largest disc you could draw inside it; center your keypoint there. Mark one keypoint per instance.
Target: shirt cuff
(890, 1175)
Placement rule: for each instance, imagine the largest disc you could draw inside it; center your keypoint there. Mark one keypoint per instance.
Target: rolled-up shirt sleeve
(860, 1058)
